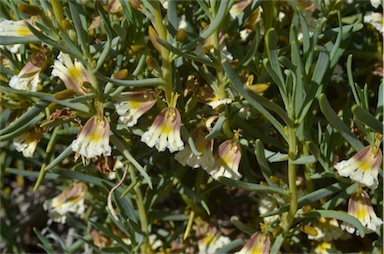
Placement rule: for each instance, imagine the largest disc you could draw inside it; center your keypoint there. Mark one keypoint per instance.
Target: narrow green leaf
(50, 97)
(50, 41)
(46, 245)
(271, 106)
(204, 6)
(22, 129)
(79, 20)
(311, 52)
(81, 98)
(337, 52)
(346, 29)
(305, 32)
(296, 56)
(339, 125)
(46, 28)
(311, 197)
(128, 11)
(350, 80)
(192, 145)
(75, 51)
(271, 47)
(296, 91)
(316, 84)
(275, 156)
(108, 44)
(274, 76)
(183, 54)
(32, 174)
(219, 18)
(82, 177)
(238, 85)
(240, 225)
(216, 130)
(230, 246)
(125, 208)
(339, 215)
(48, 155)
(252, 186)
(339, 198)
(252, 51)
(337, 44)
(305, 160)
(380, 100)
(4, 117)
(59, 239)
(169, 217)
(111, 235)
(135, 83)
(366, 118)
(11, 40)
(122, 148)
(277, 244)
(314, 149)
(263, 163)
(31, 113)
(63, 155)
(173, 22)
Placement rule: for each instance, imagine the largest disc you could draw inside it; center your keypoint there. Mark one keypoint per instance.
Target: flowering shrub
(200, 126)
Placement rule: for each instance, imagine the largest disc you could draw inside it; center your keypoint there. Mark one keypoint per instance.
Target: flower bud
(29, 9)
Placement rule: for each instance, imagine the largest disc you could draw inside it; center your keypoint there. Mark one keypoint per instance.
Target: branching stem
(166, 61)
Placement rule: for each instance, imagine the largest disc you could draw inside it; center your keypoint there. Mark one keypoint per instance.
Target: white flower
(13, 48)
(360, 207)
(228, 160)
(323, 248)
(27, 142)
(14, 28)
(27, 83)
(363, 167)
(73, 74)
(204, 146)
(28, 78)
(93, 139)
(209, 96)
(165, 131)
(376, 3)
(209, 238)
(71, 200)
(238, 8)
(164, 3)
(215, 102)
(267, 204)
(258, 243)
(375, 19)
(155, 242)
(327, 229)
(132, 105)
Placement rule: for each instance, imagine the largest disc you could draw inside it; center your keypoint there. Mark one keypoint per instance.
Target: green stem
(307, 172)
(48, 153)
(292, 171)
(145, 247)
(166, 61)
